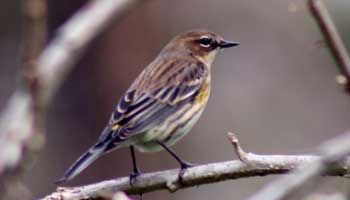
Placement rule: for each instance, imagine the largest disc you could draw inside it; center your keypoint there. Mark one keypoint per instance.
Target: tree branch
(333, 152)
(324, 21)
(253, 165)
(18, 120)
(34, 14)
(22, 120)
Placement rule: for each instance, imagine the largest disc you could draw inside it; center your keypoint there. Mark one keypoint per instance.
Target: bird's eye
(205, 41)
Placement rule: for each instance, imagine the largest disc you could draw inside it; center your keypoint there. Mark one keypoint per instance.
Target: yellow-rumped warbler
(162, 104)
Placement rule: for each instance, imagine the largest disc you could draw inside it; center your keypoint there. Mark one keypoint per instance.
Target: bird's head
(201, 44)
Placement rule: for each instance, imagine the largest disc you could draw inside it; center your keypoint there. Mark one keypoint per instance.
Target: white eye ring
(205, 41)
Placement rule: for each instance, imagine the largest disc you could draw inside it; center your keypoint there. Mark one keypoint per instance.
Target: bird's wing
(151, 99)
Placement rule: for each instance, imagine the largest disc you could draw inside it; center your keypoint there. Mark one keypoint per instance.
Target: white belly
(169, 131)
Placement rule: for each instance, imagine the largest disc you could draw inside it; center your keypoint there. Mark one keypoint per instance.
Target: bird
(162, 104)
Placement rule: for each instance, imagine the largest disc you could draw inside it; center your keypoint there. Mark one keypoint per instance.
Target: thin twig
(259, 165)
(329, 30)
(242, 155)
(332, 151)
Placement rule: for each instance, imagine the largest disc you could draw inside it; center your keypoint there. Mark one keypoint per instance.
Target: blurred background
(276, 91)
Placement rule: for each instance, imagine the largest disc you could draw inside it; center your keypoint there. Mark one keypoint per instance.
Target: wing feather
(144, 106)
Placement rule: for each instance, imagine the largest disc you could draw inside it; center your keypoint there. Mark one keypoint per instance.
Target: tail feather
(85, 160)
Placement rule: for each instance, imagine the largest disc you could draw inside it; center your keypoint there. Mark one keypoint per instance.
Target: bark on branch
(21, 122)
(19, 119)
(336, 44)
(332, 152)
(253, 165)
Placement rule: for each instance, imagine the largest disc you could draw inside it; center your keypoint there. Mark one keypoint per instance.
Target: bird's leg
(136, 172)
(183, 164)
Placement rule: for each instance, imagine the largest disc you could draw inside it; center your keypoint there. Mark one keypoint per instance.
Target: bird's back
(163, 103)
(178, 87)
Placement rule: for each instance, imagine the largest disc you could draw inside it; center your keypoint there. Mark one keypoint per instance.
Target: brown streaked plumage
(163, 103)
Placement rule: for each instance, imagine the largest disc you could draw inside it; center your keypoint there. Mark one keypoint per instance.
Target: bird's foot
(133, 176)
(184, 166)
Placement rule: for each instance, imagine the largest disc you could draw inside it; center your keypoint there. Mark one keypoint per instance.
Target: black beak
(227, 44)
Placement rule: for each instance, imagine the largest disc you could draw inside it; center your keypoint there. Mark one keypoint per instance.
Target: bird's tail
(85, 160)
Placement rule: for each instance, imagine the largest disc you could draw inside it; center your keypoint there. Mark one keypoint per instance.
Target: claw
(133, 177)
(184, 166)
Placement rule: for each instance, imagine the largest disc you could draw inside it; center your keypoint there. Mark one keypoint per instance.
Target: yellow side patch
(115, 126)
(204, 94)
